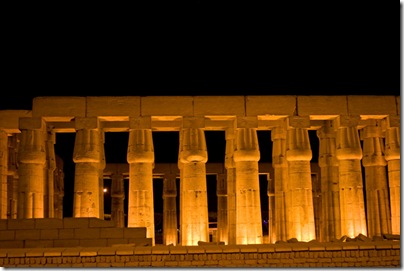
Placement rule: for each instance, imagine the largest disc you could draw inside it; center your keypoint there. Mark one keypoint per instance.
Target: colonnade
(353, 133)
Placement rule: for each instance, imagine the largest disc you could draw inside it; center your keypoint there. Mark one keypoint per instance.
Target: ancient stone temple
(355, 192)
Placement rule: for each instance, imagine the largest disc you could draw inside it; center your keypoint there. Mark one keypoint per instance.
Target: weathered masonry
(359, 143)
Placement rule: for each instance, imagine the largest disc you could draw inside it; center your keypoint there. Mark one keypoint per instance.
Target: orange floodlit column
(140, 157)
(50, 176)
(299, 197)
(170, 233)
(349, 155)
(193, 196)
(392, 155)
(59, 188)
(231, 185)
(327, 160)
(221, 192)
(377, 194)
(3, 173)
(87, 157)
(101, 168)
(281, 177)
(31, 158)
(248, 204)
(12, 179)
(117, 201)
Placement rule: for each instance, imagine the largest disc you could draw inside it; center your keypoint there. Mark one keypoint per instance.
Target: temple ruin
(357, 175)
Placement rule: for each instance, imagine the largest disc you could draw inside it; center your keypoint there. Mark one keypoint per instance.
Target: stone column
(299, 197)
(170, 233)
(12, 178)
(281, 178)
(328, 163)
(87, 156)
(231, 185)
(117, 201)
(377, 194)
(59, 188)
(248, 203)
(101, 168)
(31, 158)
(193, 195)
(349, 154)
(50, 171)
(392, 155)
(271, 211)
(141, 163)
(221, 192)
(3, 173)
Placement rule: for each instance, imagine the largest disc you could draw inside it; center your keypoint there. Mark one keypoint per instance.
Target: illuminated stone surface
(338, 121)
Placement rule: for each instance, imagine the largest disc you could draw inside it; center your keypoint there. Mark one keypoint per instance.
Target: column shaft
(330, 215)
(392, 155)
(221, 192)
(193, 194)
(349, 154)
(170, 233)
(281, 178)
(3, 173)
(87, 157)
(141, 163)
(117, 202)
(377, 201)
(31, 159)
(248, 202)
(231, 186)
(299, 198)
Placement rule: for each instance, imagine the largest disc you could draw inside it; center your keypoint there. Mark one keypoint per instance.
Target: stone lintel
(299, 122)
(86, 123)
(247, 122)
(140, 123)
(31, 123)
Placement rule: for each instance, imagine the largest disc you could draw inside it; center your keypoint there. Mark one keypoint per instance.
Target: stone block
(66, 233)
(49, 234)
(372, 105)
(141, 241)
(116, 241)
(322, 106)
(93, 242)
(92, 233)
(12, 244)
(70, 222)
(27, 234)
(270, 105)
(21, 224)
(167, 106)
(113, 106)
(219, 105)
(100, 223)
(111, 233)
(67, 106)
(9, 119)
(38, 243)
(48, 223)
(71, 252)
(66, 243)
(7, 235)
(137, 232)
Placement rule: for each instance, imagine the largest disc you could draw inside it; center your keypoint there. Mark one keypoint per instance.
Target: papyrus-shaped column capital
(327, 147)
(88, 142)
(32, 148)
(298, 145)
(373, 146)
(392, 150)
(140, 147)
(348, 142)
(193, 146)
(278, 137)
(230, 135)
(246, 145)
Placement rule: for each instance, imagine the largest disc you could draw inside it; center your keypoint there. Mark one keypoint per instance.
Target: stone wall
(67, 232)
(338, 254)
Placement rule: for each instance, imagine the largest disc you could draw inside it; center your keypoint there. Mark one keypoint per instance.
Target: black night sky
(213, 50)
